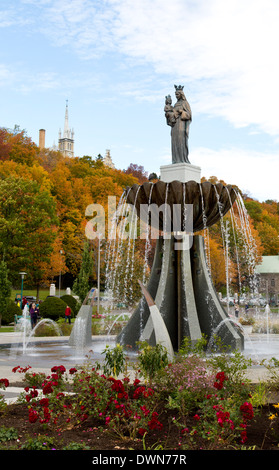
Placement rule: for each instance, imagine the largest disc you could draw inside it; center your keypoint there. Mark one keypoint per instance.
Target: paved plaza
(44, 353)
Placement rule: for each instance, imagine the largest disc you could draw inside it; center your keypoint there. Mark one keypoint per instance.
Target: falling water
(206, 233)
(112, 235)
(44, 321)
(248, 241)
(225, 238)
(147, 240)
(267, 314)
(212, 339)
(27, 333)
(164, 261)
(115, 244)
(131, 241)
(233, 223)
(24, 326)
(79, 334)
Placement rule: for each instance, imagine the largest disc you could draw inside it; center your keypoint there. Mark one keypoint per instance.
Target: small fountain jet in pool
(180, 283)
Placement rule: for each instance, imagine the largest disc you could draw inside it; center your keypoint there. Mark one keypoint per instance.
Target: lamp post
(61, 253)
(22, 274)
(98, 277)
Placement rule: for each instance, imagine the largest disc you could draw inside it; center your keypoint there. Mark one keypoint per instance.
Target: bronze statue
(179, 118)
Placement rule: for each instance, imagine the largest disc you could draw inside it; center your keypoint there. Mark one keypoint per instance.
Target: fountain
(26, 333)
(267, 315)
(24, 327)
(180, 283)
(179, 299)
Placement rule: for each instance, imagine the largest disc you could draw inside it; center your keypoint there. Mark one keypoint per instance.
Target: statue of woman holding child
(179, 118)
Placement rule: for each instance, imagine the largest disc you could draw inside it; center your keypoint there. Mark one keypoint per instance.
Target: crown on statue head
(179, 87)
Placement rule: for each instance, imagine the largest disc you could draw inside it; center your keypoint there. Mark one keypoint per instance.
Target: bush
(53, 308)
(72, 302)
(44, 329)
(9, 315)
(247, 321)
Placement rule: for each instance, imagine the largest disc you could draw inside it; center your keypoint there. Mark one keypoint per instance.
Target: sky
(116, 60)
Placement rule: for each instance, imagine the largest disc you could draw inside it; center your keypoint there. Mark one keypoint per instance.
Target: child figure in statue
(169, 111)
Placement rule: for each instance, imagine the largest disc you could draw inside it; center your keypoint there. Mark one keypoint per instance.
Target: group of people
(34, 312)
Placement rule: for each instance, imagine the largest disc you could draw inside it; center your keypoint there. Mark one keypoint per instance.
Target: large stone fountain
(180, 285)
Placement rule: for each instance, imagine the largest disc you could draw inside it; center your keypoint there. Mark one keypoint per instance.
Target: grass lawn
(43, 293)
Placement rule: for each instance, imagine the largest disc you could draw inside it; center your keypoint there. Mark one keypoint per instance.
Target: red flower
(117, 385)
(243, 435)
(145, 410)
(33, 416)
(58, 369)
(247, 411)
(5, 382)
(44, 402)
(73, 370)
(142, 431)
(34, 393)
(218, 385)
(223, 417)
(220, 378)
(107, 420)
(154, 423)
(47, 389)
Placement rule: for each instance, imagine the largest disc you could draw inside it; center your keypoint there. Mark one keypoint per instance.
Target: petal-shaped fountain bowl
(209, 201)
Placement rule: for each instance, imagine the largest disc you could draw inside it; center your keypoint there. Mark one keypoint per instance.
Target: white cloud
(225, 53)
(253, 172)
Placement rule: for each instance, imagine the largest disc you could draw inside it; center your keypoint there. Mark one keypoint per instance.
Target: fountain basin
(209, 201)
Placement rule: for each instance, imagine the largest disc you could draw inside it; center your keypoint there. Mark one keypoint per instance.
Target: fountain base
(182, 289)
(180, 172)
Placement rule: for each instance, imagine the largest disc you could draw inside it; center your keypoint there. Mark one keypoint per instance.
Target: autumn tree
(5, 144)
(56, 264)
(16, 145)
(81, 285)
(138, 172)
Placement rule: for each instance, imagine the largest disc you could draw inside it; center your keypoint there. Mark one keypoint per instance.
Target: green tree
(5, 289)
(27, 219)
(81, 285)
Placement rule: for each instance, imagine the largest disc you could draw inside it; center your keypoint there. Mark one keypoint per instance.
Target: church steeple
(66, 143)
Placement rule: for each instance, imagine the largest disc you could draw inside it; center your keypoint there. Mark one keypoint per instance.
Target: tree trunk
(38, 292)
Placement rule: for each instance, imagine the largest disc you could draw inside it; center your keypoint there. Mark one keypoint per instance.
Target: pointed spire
(66, 133)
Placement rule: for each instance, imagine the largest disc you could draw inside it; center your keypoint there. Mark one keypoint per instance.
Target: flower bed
(189, 404)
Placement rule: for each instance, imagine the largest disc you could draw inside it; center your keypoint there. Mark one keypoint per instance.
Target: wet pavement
(44, 353)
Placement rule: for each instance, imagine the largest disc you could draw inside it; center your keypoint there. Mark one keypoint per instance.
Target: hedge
(71, 301)
(53, 308)
(9, 315)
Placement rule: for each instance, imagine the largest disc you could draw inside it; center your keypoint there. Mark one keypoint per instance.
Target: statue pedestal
(182, 172)
(185, 298)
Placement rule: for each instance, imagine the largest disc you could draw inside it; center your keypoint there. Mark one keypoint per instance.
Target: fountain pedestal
(180, 172)
(181, 287)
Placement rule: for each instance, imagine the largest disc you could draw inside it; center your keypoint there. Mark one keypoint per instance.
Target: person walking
(236, 310)
(68, 314)
(33, 315)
